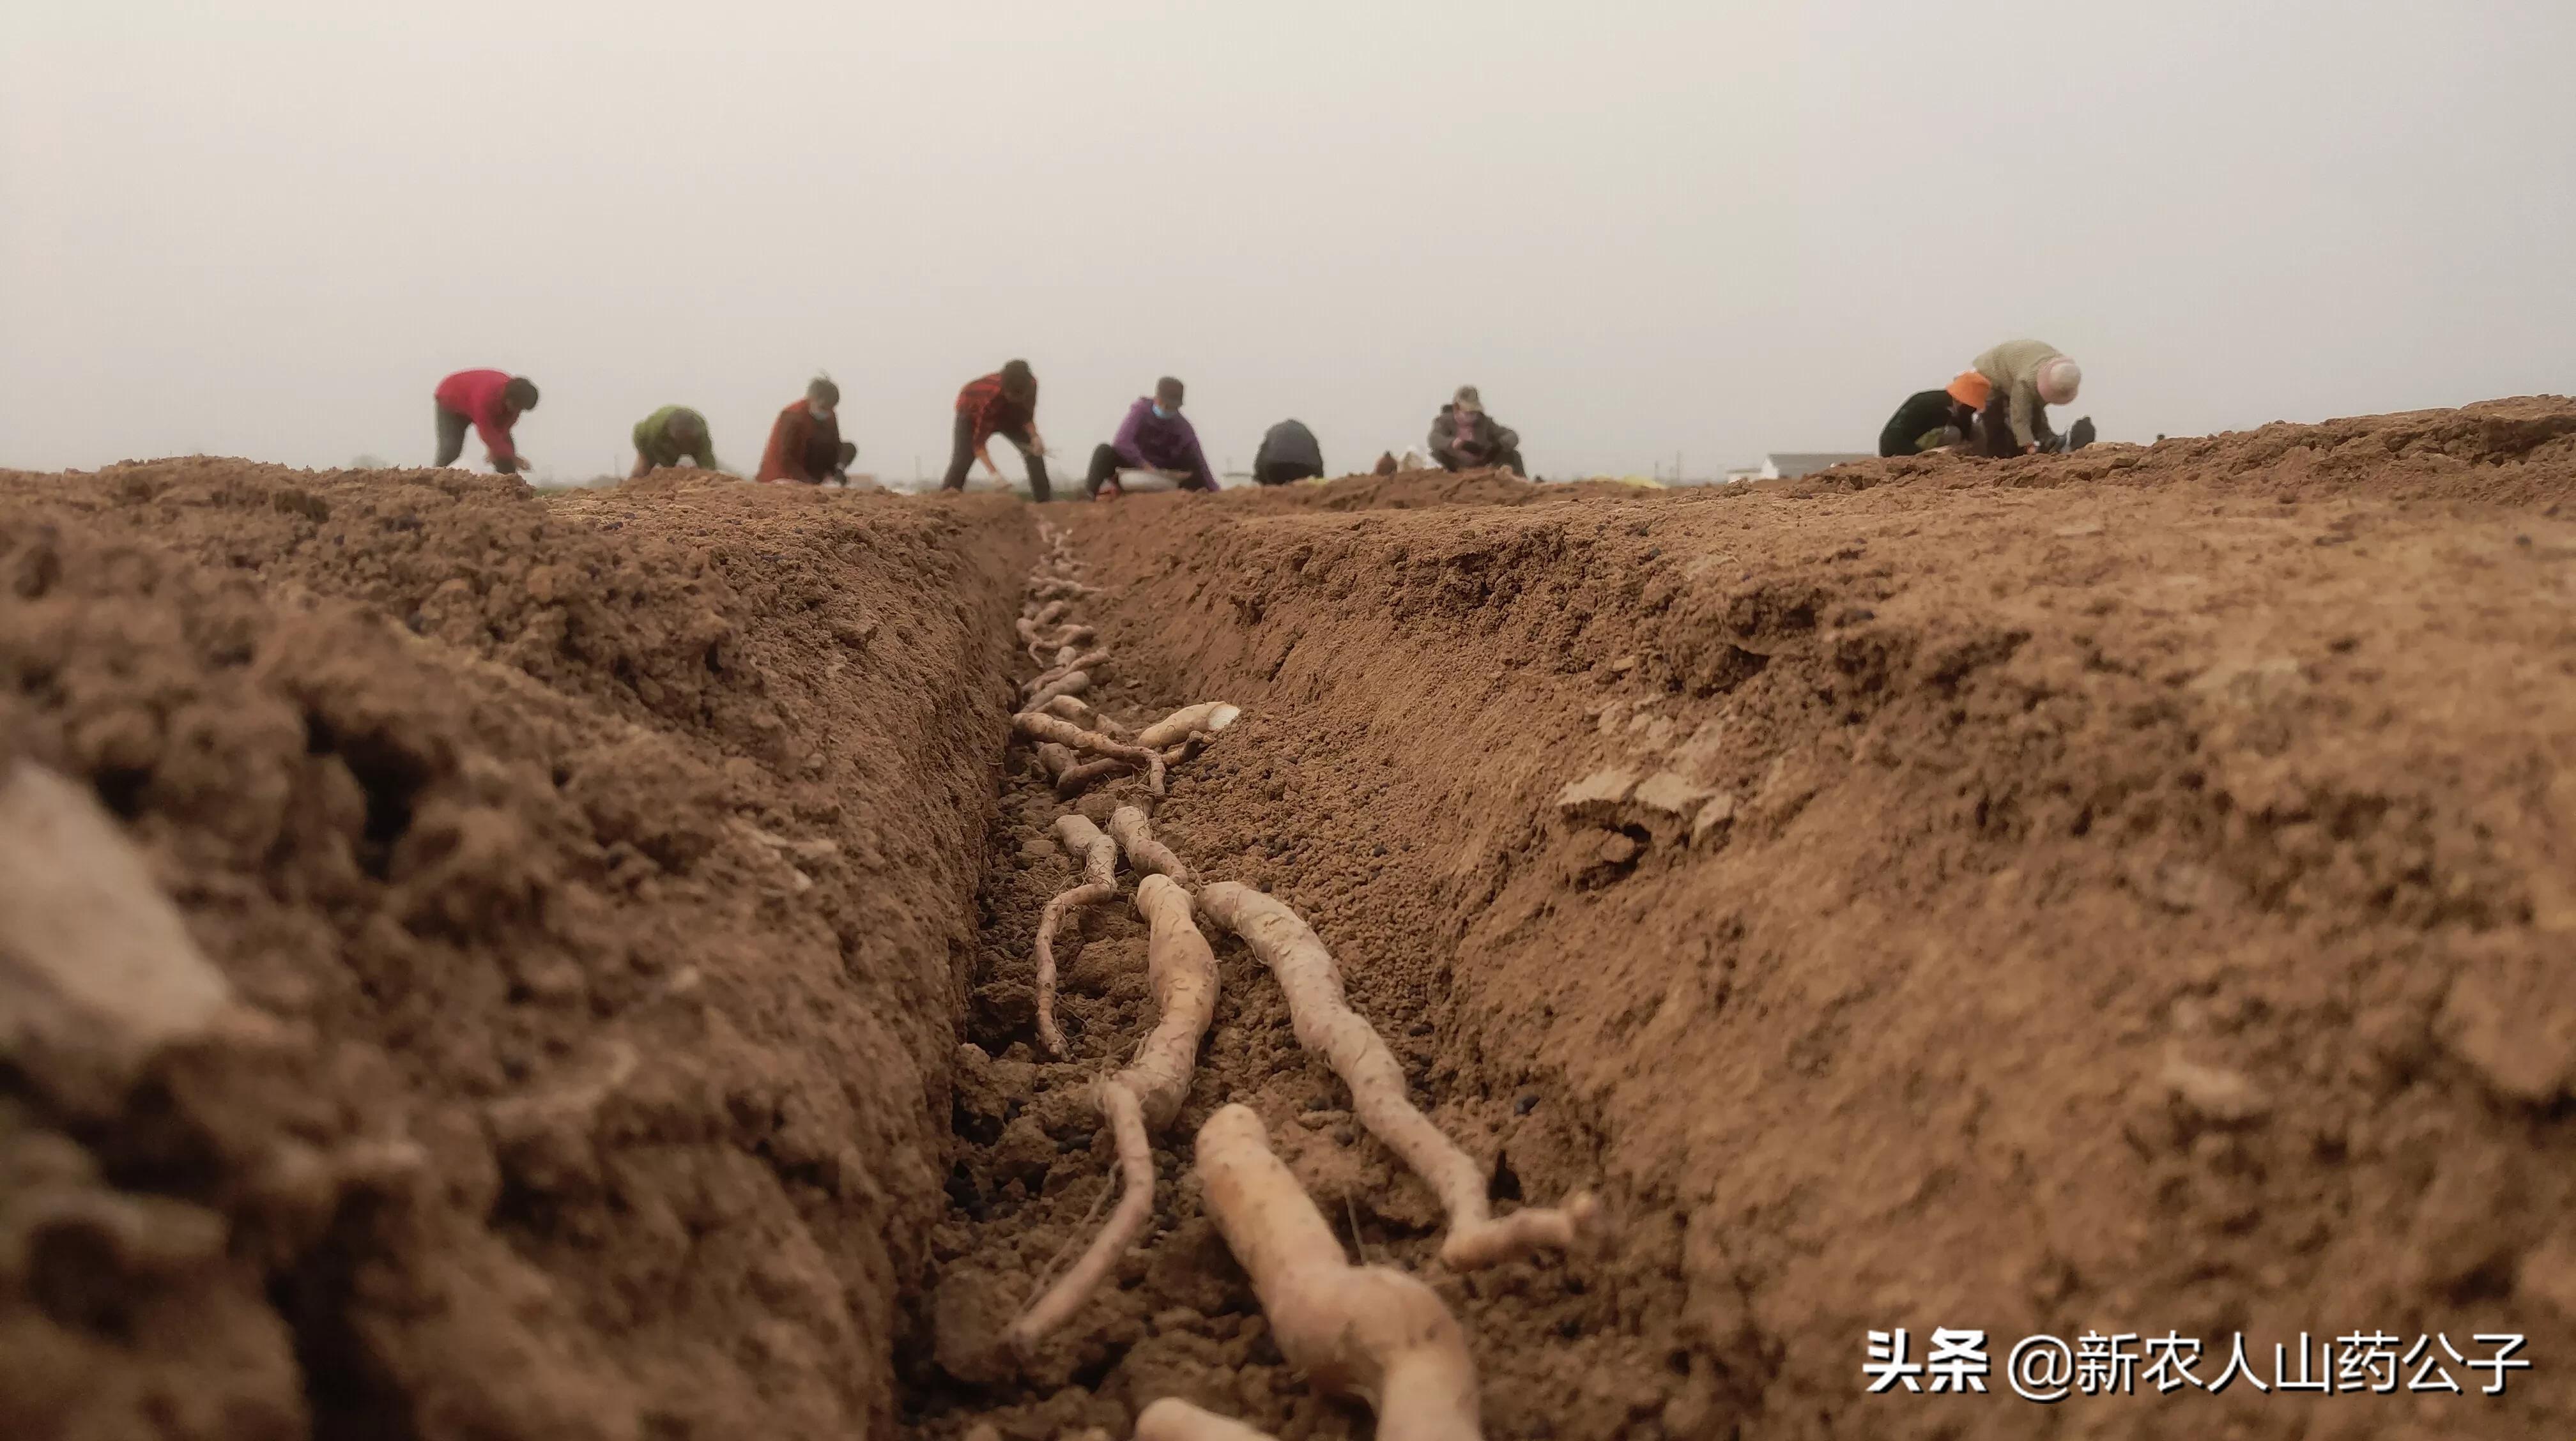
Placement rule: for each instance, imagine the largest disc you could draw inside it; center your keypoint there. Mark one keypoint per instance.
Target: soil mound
(2121, 894)
(586, 877)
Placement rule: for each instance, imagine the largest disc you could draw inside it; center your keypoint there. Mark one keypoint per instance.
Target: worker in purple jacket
(1153, 437)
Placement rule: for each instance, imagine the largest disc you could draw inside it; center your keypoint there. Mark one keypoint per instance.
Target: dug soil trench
(2130, 893)
(476, 965)
(581, 883)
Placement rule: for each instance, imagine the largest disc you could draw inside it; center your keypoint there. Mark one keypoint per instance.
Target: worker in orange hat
(1935, 419)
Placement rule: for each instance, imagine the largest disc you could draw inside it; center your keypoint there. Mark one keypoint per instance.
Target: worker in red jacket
(1004, 403)
(805, 442)
(490, 401)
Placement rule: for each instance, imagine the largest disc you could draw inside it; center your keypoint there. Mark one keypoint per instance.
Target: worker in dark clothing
(1288, 452)
(489, 402)
(1004, 403)
(805, 440)
(1464, 437)
(1153, 437)
(1931, 420)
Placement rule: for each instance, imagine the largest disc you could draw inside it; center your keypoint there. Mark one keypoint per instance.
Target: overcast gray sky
(268, 227)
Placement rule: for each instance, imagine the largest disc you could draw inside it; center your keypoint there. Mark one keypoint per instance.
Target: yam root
(1099, 857)
(1039, 726)
(1080, 712)
(1326, 1025)
(1056, 759)
(1060, 588)
(1173, 1419)
(1367, 1331)
(1070, 683)
(1085, 661)
(1207, 717)
(1142, 1099)
(1077, 780)
(1043, 641)
(1135, 837)
(1049, 613)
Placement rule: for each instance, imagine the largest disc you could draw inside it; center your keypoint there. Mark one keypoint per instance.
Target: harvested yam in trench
(1205, 718)
(1143, 1098)
(1049, 613)
(1134, 834)
(1059, 588)
(1081, 713)
(1039, 726)
(1367, 1331)
(1099, 857)
(1064, 666)
(1042, 642)
(1173, 1419)
(1070, 683)
(1326, 1025)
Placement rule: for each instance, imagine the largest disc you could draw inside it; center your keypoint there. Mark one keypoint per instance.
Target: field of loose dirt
(2130, 892)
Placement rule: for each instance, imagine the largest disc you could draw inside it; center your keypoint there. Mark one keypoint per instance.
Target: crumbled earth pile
(2127, 892)
(587, 878)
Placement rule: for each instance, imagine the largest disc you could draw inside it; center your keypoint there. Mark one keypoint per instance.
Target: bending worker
(1004, 403)
(1153, 437)
(1934, 419)
(670, 435)
(1464, 437)
(2022, 378)
(805, 441)
(1288, 452)
(490, 401)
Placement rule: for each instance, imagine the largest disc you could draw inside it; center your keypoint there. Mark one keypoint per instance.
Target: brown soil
(496, 802)
(2145, 905)
(2139, 898)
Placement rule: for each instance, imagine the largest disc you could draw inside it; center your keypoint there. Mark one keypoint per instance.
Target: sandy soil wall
(591, 877)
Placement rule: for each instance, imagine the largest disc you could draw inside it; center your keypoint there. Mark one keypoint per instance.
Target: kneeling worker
(1464, 437)
(805, 441)
(1288, 453)
(489, 401)
(1004, 403)
(670, 435)
(1934, 419)
(2024, 378)
(1153, 437)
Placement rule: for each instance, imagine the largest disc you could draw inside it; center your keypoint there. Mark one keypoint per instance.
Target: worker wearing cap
(805, 441)
(1464, 437)
(490, 402)
(2023, 378)
(1004, 403)
(670, 435)
(1154, 437)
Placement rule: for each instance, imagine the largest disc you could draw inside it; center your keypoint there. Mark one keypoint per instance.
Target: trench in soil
(2124, 891)
(1034, 1169)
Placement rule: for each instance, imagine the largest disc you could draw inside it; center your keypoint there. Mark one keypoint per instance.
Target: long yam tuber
(1099, 857)
(1144, 1097)
(1173, 1419)
(1366, 1331)
(1326, 1025)
(1135, 837)
(1070, 683)
(1037, 725)
(1207, 716)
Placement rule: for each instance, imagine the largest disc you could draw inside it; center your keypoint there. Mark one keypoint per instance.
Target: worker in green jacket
(2023, 379)
(670, 435)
